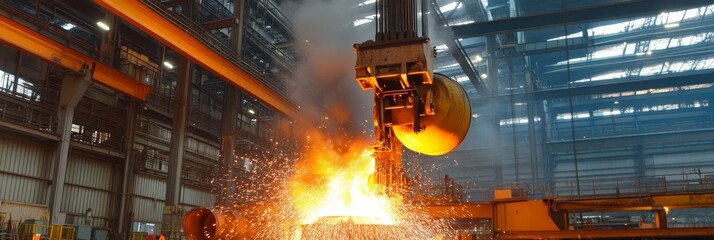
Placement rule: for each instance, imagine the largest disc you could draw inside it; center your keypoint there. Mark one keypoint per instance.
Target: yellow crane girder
(33, 43)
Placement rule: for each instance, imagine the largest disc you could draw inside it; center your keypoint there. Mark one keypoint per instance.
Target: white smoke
(325, 81)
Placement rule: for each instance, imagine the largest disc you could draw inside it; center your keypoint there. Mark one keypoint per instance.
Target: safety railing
(277, 14)
(444, 190)
(153, 130)
(210, 10)
(28, 115)
(214, 44)
(276, 53)
(28, 102)
(470, 191)
(689, 181)
(99, 124)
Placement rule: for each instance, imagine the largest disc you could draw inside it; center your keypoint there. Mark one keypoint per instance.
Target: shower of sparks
(325, 192)
(329, 183)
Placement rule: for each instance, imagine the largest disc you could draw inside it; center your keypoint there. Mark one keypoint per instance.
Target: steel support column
(547, 167)
(530, 108)
(127, 185)
(237, 34)
(172, 214)
(226, 185)
(660, 218)
(108, 47)
(494, 110)
(639, 161)
(73, 88)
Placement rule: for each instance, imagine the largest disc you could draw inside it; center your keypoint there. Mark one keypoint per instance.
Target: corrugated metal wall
(89, 184)
(150, 192)
(196, 197)
(24, 171)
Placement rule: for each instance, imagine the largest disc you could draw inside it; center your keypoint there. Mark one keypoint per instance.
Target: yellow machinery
(33, 229)
(61, 232)
(138, 236)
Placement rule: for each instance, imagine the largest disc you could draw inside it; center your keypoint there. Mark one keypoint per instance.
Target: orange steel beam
(464, 210)
(31, 42)
(184, 43)
(670, 233)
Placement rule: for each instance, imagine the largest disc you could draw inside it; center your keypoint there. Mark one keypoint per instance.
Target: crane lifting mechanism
(426, 112)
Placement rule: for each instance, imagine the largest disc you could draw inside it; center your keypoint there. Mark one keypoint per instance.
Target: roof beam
(657, 138)
(598, 13)
(457, 51)
(662, 81)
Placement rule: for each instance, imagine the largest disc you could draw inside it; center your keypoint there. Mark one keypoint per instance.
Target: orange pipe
(51, 51)
(184, 43)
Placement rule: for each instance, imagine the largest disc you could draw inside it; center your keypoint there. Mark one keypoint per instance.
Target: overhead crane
(51, 51)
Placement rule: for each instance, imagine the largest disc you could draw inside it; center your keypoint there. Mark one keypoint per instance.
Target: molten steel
(333, 184)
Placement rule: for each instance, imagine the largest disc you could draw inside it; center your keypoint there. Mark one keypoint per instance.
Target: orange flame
(329, 183)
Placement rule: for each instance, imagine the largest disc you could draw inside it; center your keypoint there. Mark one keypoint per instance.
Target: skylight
(462, 22)
(574, 35)
(461, 78)
(441, 48)
(666, 19)
(643, 47)
(68, 26)
(517, 121)
(364, 20)
(450, 7)
(365, 3)
(655, 69)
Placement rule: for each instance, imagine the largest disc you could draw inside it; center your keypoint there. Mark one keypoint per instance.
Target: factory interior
(356, 119)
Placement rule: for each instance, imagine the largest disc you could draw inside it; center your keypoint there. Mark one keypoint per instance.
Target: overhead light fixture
(484, 76)
(168, 65)
(68, 26)
(478, 58)
(103, 26)
(671, 25)
(251, 111)
(365, 3)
